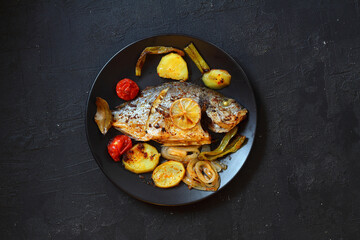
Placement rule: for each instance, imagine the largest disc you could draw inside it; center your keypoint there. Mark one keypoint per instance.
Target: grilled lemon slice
(168, 174)
(185, 113)
(141, 158)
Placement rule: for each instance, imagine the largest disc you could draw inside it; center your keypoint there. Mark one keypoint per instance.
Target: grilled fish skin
(148, 116)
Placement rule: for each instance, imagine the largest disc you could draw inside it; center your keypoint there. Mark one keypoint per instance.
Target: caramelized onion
(218, 166)
(205, 172)
(201, 175)
(180, 154)
(103, 116)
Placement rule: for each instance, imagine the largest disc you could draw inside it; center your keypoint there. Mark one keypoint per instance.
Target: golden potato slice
(141, 158)
(168, 174)
(173, 66)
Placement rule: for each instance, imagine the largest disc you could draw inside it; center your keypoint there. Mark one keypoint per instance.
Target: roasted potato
(168, 174)
(173, 66)
(153, 50)
(141, 158)
(216, 78)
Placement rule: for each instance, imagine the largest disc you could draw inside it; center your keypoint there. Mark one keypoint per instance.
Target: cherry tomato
(119, 145)
(127, 89)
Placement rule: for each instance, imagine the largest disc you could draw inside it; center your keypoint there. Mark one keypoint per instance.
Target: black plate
(122, 65)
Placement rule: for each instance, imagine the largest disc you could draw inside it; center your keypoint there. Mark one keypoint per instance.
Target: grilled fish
(147, 117)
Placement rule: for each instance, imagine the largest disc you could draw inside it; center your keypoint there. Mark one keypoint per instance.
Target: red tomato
(118, 145)
(127, 89)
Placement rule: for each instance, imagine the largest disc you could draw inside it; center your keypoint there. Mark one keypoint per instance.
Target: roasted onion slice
(103, 116)
(180, 154)
(201, 175)
(205, 172)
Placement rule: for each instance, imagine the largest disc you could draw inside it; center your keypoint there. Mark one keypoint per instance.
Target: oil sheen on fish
(148, 118)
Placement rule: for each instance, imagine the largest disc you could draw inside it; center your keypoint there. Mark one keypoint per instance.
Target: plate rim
(167, 35)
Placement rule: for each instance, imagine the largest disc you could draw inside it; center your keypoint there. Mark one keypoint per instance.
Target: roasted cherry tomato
(127, 89)
(119, 145)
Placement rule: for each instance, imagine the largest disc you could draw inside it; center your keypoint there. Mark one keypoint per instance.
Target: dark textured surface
(301, 180)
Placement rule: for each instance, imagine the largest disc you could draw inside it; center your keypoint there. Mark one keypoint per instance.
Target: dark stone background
(301, 180)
